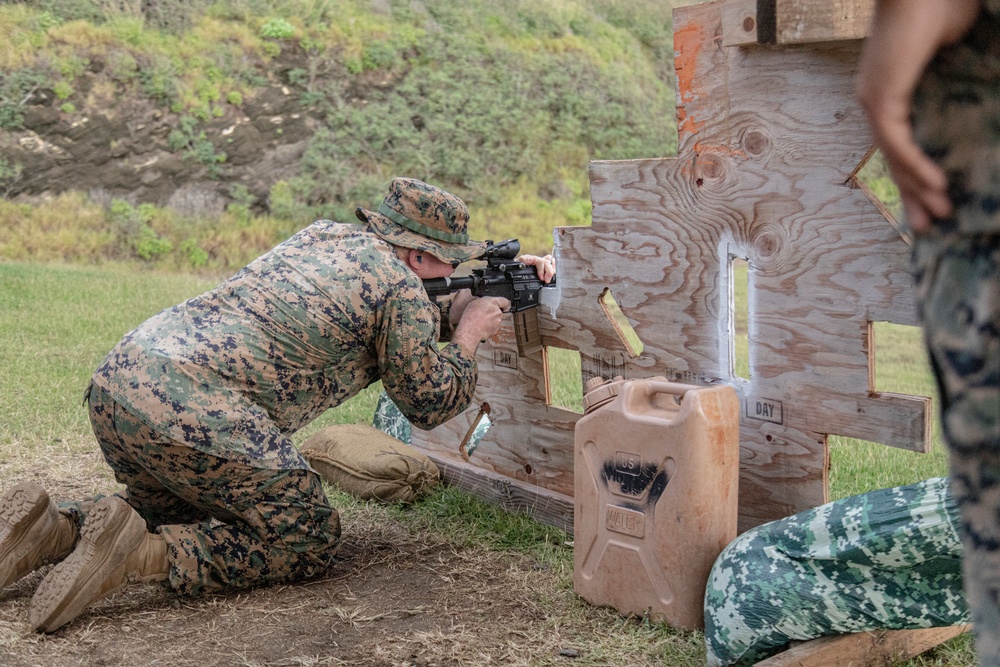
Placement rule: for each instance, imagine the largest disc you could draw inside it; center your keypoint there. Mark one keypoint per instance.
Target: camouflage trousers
(958, 283)
(889, 558)
(226, 524)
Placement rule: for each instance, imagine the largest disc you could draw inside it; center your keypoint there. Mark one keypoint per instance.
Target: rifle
(502, 276)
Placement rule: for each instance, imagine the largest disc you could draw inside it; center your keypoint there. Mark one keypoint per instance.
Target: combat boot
(114, 550)
(32, 532)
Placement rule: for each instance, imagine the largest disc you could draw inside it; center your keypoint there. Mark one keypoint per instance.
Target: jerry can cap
(597, 391)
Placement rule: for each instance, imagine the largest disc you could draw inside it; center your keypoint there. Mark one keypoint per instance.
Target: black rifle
(502, 276)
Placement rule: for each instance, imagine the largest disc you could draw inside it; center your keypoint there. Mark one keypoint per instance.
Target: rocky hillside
(119, 146)
(298, 107)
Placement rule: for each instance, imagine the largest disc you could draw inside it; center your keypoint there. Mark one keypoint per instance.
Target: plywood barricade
(770, 142)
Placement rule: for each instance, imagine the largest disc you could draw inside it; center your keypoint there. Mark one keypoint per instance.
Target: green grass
(56, 324)
(58, 321)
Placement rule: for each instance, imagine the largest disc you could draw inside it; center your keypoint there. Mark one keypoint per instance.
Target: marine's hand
(481, 319)
(545, 266)
(905, 35)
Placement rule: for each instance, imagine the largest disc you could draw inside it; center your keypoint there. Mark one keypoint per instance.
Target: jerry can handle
(667, 387)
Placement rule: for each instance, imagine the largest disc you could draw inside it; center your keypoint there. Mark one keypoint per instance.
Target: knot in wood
(767, 245)
(756, 143)
(711, 167)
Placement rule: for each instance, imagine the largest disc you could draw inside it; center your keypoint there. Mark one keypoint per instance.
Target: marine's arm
(430, 384)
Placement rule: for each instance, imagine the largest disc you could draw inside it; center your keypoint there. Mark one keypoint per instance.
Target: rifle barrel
(444, 286)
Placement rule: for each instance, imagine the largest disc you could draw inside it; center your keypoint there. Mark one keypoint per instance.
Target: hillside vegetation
(196, 134)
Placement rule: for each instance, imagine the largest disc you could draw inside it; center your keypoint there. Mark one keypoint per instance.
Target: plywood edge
(882, 647)
(548, 507)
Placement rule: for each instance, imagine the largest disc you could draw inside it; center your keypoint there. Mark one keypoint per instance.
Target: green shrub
(196, 145)
(151, 247)
(62, 89)
(133, 234)
(196, 256)
(158, 79)
(10, 174)
(379, 55)
(15, 89)
(277, 28)
(121, 66)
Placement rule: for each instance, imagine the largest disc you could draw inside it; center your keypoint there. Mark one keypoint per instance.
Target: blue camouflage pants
(958, 282)
(226, 524)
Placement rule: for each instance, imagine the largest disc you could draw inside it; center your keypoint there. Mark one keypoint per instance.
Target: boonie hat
(421, 216)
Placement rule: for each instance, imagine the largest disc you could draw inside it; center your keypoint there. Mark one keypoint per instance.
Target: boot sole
(112, 531)
(20, 507)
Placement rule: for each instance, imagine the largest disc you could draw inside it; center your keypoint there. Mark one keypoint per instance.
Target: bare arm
(904, 37)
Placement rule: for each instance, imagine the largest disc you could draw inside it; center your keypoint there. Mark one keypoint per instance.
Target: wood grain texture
(785, 22)
(872, 649)
(769, 142)
(530, 442)
(549, 507)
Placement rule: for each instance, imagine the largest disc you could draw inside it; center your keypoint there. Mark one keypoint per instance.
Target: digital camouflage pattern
(957, 268)
(959, 287)
(306, 326)
(956, 109)
(194, 408)
(421, 216)
(884, 559)
(277, 525)
(390, 420)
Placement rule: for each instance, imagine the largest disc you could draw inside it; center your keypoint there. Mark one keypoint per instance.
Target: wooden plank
(529, 441)
(872, 649)
(785, 22)
(548, 507)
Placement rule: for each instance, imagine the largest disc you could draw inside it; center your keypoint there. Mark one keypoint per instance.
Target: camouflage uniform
(957, 267)
(194, 408)
(885, 559)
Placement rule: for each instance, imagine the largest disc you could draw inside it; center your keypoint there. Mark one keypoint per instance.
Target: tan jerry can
(656, 471)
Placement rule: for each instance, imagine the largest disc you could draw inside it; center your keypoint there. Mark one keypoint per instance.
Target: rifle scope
(504, 250)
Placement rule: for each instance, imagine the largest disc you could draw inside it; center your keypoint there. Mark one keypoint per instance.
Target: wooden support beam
(872, 649)
(548, 507)
(785, 22)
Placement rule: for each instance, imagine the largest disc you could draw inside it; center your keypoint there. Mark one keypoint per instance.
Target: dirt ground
(397, 597)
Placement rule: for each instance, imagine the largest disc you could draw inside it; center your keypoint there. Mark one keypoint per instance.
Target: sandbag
(888, 559)
(369, 464)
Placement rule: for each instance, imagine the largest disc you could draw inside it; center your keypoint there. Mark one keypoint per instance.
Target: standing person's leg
(958, 281)
(277, 525)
